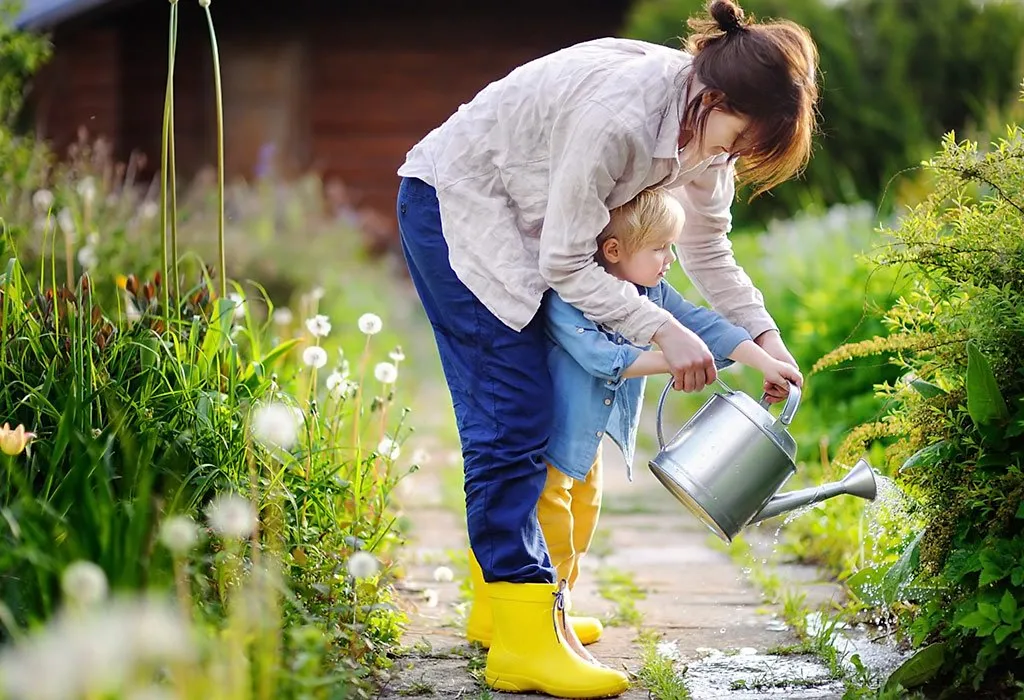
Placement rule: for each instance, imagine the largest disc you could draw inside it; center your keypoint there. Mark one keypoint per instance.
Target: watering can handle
(786, 417)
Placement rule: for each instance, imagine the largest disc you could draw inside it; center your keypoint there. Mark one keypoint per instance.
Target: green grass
(620, 588)
(658, 674)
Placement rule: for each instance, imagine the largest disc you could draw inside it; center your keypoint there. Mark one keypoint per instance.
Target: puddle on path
(749, 675)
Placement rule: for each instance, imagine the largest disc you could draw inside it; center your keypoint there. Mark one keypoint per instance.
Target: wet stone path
(695, 599)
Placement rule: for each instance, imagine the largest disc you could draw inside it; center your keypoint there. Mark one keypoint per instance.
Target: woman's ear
(611, 250)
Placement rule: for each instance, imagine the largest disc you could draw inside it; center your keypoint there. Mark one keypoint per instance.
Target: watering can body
(728, 462)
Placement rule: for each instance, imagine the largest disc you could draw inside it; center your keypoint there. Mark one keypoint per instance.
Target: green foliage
(21, 55)
(958, 445)
(897, 75)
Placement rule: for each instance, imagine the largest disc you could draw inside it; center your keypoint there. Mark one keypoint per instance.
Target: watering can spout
(860, 481)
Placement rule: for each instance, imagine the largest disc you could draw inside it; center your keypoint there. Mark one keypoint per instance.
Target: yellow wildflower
(14, 442)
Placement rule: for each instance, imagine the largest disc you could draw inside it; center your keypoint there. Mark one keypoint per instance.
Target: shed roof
(44, 14)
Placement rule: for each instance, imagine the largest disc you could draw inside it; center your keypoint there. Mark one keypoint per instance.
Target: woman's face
(722, 133)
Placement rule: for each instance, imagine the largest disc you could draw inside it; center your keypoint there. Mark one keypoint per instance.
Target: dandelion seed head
(283, 316)
(362, 565)
(179, 534)
(66, 221)
(87, 189)
(389, 449)
(88, 258)
(337, 384)
(319, 326)
(314, 356)
(432, 597)
(443, 574)
(277, 425)
(84, 583)
(385, 373)
(397, 355)
(370, 324)
(42, 200)
(231, 516)
(239, 302)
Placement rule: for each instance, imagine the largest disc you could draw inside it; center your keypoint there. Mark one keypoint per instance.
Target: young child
(599, 379)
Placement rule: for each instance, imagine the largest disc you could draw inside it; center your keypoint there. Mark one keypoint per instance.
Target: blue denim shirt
(587, 363)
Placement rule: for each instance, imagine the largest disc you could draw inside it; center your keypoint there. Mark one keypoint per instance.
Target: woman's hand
(771, 343)
(691, 363)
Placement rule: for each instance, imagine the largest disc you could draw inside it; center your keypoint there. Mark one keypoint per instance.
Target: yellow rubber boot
(479, 625)
(556, 511)
(529, 652)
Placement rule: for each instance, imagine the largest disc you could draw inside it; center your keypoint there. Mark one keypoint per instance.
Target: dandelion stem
(219, 100)
(166, 150)
(174, 211)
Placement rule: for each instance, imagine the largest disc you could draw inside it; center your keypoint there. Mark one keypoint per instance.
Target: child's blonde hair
(652, 216)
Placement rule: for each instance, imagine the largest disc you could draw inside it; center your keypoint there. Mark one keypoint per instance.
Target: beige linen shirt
(526, 172)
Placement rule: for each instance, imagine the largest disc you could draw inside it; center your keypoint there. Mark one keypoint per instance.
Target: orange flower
(14, 442)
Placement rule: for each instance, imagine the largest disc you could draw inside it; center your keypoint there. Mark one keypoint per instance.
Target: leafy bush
(896, 76)
(956, 421)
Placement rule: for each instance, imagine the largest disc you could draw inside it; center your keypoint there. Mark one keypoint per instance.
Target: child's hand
(779, 375)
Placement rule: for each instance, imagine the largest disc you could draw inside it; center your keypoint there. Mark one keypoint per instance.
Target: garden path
(696, 596)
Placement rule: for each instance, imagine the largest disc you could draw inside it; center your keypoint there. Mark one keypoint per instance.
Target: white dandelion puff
(362, 565)
(283, 316)
(149, 210)
(370, 324)
(66, 221)
(277, 425)
(432, 597)
(87, 257)
(443, 574)
(87, 189)
(42, 200)
(231, 516)
(314, 356)
(385, 373)
(389, 449)
(319, 326)
(179, 534)
(337, 384)
(239, 302)
(84, 583)
(397, 355)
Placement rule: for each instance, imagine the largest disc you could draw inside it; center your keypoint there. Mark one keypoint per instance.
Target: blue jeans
(501, 392)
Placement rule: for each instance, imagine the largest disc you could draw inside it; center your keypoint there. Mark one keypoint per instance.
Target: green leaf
(866, 584)
(1020, 510)
(927, 456)
(1007, 607)
(1002, 633)
(902, 573)
(996, 564)
(925, 389)
(989, 611)
(919, 668)
(985, 402)
(973, 621)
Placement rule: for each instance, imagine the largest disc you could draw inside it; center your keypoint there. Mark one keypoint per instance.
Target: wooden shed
(339, 87)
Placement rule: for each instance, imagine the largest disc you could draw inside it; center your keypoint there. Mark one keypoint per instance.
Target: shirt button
(607, 402)
(609, 383)
(600, 433)
(579, 330)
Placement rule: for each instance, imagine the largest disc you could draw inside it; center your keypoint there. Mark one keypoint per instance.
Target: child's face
(646, 266)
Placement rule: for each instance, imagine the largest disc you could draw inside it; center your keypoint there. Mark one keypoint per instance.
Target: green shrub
(897, 75)
(957, 420)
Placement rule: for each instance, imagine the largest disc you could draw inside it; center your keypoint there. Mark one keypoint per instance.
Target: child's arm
(746, 353)
(566, 326)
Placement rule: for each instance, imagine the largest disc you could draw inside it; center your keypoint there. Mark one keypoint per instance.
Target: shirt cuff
(624, 359)
(728, 342)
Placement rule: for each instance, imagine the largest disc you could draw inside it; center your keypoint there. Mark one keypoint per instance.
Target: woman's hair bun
(727, 15)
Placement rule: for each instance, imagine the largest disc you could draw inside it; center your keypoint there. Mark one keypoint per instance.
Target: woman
(507, 198)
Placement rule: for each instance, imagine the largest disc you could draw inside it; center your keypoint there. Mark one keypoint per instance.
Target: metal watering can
(729, 460)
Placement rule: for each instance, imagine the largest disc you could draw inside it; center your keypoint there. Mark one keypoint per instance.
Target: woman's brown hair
(765, 71)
